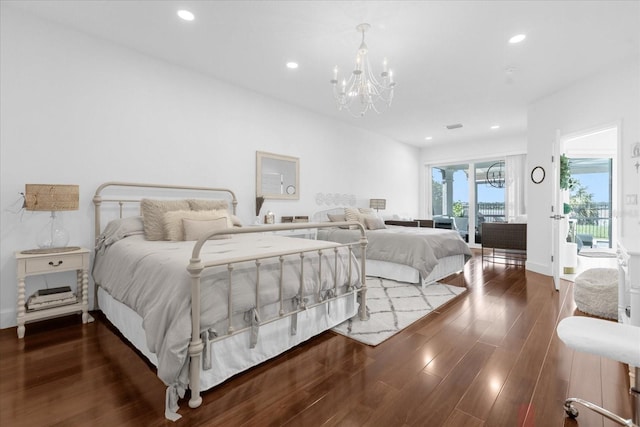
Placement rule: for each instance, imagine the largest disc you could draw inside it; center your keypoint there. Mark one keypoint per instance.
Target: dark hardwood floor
(489, 358)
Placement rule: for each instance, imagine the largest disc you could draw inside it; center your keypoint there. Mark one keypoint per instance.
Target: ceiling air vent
(454, 126)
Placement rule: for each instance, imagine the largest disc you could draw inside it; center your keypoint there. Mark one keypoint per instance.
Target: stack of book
(52, 297)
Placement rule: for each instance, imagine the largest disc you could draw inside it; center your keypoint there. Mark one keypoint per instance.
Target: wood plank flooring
(489, 358)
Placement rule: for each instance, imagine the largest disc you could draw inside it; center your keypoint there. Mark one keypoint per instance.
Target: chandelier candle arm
(362, 92)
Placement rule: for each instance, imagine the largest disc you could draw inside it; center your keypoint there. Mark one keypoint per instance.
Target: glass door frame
(471, 182)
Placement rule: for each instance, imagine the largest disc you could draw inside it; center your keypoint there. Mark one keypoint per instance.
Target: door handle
(556, 216)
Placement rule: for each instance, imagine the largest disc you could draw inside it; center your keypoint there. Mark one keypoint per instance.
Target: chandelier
(362, 92)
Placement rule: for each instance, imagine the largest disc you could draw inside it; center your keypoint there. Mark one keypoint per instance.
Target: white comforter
(151, 277)
(417, 247)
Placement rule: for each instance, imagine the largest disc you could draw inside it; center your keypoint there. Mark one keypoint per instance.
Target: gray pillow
(207, 204)
(337, 217)
(374, 223)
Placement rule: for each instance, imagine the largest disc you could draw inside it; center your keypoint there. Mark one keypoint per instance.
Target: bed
(406, 254)
(218, 299)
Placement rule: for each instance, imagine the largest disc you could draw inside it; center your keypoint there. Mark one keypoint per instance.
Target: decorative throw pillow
(153, 215)
(367, 211)
(236, 221)
(173, 225)
(374, 223)
(352, 214)
(207, 205)
(195, 228)
(337, 217)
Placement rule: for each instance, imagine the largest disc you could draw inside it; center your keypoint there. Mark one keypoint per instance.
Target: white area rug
(393, 306)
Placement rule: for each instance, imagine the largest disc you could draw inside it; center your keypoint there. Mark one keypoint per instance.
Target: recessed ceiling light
(186, 15)
(517, 38)
(495, 127)
(428, 138)
(292, 65)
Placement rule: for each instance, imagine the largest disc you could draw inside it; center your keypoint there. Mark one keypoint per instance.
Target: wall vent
(454, 126)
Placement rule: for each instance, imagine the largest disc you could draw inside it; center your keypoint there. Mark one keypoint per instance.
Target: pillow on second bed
(173, 221)
(374, 223)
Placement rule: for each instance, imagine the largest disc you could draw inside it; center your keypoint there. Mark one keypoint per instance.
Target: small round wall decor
(537, 174)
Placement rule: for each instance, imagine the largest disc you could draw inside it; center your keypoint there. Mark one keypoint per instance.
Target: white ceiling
(449, 57)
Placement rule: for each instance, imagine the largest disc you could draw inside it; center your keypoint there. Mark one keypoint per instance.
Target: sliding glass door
(465, 204)
(450, 197)
(489, 203)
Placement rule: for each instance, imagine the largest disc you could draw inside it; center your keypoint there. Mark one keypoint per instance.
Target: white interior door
(556, 211)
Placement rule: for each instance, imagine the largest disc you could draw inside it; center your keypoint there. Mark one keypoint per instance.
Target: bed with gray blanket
(408, 254)
(204, 310)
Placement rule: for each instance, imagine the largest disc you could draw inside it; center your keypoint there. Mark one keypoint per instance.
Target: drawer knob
(59, 263)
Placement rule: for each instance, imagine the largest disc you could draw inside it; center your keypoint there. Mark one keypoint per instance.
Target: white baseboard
(544, 269)
(8, 319)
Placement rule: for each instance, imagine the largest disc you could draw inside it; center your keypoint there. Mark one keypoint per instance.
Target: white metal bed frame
(196, 267)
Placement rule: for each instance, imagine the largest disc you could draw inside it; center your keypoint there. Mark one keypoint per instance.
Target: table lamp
(52, 198)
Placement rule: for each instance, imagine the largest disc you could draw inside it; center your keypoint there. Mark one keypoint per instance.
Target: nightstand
(53, 262)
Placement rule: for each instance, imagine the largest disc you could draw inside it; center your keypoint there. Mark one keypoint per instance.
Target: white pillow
(337, 217)
(195, 228)
(174, 228)
(374, 223)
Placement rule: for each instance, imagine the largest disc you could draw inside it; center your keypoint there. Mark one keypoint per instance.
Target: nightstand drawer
(54, 263)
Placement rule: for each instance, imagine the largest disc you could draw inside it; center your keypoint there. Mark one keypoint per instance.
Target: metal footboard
(197, 267)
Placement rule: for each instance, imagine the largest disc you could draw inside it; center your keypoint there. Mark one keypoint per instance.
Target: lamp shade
(51, 197)
(378, 204)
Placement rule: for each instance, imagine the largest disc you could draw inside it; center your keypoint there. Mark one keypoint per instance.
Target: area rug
(393, 306)
(597, 254)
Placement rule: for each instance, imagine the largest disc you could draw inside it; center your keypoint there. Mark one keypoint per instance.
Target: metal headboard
(98, 199)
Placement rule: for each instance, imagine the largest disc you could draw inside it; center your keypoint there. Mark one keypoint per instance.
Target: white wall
(607, 98)
(77, 110)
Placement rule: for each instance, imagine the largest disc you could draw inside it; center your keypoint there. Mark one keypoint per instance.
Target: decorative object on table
(52, 198)
(301, 218)
(496, 175)
(286, 219)
(537, 174)
(270, 218)
(362, 91)
(378, 204)
(259, 202)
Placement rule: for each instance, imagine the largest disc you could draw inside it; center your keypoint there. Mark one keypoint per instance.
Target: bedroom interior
(174, 102)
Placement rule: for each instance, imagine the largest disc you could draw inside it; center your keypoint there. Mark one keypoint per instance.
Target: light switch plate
(631, 199)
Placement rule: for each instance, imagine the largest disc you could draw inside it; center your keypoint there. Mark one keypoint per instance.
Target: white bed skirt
(232, 355)
(403, 273)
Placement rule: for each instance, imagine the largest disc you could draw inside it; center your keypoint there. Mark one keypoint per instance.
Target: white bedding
(416, 247)
(151, 278)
